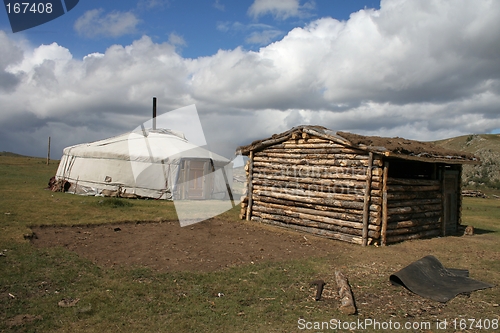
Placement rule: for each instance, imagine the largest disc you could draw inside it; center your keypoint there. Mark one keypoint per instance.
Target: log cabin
(360, 189)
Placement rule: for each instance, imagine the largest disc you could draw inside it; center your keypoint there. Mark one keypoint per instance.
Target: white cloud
(176, 39)
(263, 37)
(256, 33)
(93, 24)
(418, 71)
(280, 9)
(153, 4)
(218, 5)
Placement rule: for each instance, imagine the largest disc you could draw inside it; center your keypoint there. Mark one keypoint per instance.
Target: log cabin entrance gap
(360, 189)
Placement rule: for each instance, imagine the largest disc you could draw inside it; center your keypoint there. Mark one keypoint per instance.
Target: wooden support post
(366, 204)
(250, 186)
(48, 152)
(384, 204)
(443, 199)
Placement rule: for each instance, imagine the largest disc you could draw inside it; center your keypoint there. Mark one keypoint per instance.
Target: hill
(9, 154)
(487, 148)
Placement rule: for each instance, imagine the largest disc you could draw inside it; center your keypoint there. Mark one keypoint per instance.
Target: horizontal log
(314, 224)
(412, 230)
(409, 216)
(328, 172)
(351, 214)
(423, 234)
(436, 221)
(413, 195)
(345, 183)
(402, 188)
(301, 140)
(403, 181)
(307, 214)
(415, 202)
(322, 162)
(312, 194)
(331, 187)
(315, 231)
(329, 150)
(316, 200)
(414, 209)
(323, 171)
(316, 156)
(303, 145)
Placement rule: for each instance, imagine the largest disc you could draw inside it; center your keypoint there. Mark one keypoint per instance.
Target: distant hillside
(487, 148)
(9, 154)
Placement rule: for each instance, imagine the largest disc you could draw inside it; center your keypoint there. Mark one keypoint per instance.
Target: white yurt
(159, 164)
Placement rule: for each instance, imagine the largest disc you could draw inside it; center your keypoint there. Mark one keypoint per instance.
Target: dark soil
(207, 246)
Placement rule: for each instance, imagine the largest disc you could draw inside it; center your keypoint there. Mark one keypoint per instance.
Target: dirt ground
(207, 246)
(216, 244)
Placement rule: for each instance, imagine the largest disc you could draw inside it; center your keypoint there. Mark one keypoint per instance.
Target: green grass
(262, 297)
(25, 201)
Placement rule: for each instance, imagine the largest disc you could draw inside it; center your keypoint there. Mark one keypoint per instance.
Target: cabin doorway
(450, 201)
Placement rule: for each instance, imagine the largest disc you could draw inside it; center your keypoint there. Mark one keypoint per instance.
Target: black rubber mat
(428, 278)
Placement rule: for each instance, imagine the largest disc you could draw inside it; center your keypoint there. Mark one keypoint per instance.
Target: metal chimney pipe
(154, 113)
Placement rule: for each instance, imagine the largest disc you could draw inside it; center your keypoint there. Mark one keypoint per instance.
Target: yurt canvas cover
(159, 164)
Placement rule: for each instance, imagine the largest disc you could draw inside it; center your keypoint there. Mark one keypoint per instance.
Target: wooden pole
(250, 186)
(48, 152)
(384, 204)
(366, 204)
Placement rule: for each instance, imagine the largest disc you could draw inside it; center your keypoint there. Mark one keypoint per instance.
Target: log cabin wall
(360, 189)
(414, 209)
(317, 186)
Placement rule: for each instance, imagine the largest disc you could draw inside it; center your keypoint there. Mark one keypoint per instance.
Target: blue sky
(203, 27)
(423, 70)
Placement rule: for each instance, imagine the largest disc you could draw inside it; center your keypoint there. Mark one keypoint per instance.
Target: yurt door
(194, 180)
(450, 202)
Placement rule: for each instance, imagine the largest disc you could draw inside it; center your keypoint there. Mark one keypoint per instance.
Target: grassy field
(263, 297)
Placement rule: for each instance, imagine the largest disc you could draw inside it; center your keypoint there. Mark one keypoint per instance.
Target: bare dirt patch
(207, 246)
(217, 244)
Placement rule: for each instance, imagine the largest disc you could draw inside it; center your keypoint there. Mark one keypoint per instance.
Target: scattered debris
(473, 194)
(68, 302)
(469, 231)
(220, 295)
(117, 229)
(347, 305)
(320, 284)
(58, 185)
(12, 296)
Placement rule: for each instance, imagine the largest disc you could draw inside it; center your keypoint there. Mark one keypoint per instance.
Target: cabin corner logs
(324, 183)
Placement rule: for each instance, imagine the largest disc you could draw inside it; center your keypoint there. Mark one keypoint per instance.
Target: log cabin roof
(399, 148)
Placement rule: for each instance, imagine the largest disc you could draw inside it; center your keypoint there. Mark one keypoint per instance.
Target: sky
(423, 70)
